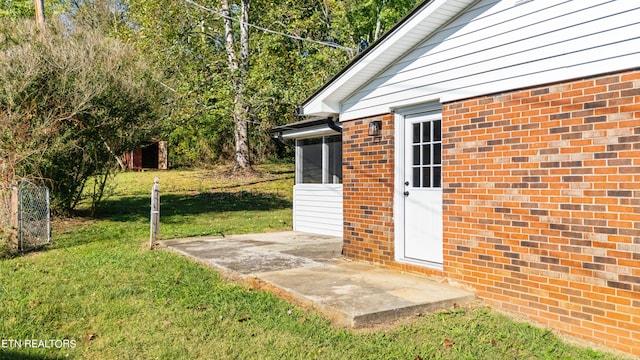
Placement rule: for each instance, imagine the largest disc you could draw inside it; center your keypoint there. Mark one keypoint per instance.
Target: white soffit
(404, 37)
(310, 132)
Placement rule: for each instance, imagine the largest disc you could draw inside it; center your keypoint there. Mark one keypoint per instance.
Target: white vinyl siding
(317, 208)
(498, 46)
(403, 38)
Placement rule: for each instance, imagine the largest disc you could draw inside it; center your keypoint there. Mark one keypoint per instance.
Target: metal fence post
(155, 213)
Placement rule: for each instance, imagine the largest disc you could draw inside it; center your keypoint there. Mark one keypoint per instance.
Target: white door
(423, 188)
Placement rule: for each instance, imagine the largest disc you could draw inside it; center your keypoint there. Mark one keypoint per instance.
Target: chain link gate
(34, 225)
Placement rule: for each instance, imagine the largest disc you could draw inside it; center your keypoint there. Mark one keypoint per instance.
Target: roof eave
(379, 56)
(313, 127)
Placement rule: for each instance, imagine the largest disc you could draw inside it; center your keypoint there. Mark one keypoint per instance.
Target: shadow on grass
(131, 211)
(282, 172)
(256, 182)
(134, 208)
(14, 355)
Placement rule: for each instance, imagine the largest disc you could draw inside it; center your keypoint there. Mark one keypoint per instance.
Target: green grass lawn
(99, 287)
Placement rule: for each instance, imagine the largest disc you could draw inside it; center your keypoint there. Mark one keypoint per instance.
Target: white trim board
(399, 175)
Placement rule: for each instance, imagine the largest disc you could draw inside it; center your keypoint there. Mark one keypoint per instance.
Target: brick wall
(367, 164)
(542, 204)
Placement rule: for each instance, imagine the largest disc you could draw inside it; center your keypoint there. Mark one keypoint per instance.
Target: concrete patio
(309, 270)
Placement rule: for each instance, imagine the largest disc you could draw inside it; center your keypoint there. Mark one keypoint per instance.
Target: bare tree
(238, 63)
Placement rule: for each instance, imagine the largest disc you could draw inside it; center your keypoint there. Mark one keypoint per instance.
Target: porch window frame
(326, 171)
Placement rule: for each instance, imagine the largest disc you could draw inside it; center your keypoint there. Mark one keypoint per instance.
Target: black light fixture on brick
(375, 128)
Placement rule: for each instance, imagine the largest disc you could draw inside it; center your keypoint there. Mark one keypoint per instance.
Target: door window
(426, 148)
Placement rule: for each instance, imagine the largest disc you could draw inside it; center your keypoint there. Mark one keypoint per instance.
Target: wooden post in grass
(155, 213)
(14, 215)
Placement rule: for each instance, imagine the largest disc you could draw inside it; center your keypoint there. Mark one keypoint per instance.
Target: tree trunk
(378, 30)
(229, 42)
(39, 7)
(238, 68)
(241, 134)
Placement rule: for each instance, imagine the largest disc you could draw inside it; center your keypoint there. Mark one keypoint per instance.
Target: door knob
(406, 183)
(406, 193)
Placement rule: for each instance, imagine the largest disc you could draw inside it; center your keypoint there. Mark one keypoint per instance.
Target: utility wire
(333, 45)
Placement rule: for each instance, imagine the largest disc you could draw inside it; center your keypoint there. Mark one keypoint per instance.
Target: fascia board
(311, 132)
(402, 39)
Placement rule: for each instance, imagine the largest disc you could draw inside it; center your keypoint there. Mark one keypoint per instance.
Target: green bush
(7, 248)
(71, 101)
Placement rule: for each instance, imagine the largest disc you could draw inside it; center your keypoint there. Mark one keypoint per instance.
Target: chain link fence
(34, 225)
(26, 210)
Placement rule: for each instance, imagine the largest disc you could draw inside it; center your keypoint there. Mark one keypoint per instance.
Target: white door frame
(399, 187)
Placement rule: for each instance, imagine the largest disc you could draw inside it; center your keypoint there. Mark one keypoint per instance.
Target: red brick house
(504, 155)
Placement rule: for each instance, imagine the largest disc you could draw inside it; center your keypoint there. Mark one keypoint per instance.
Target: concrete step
(359, 295)
(309, 270)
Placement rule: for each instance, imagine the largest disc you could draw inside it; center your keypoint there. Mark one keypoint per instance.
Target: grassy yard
(99, 288)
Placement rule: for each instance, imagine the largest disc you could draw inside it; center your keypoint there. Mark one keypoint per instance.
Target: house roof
(425, 19)
(300, 124)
